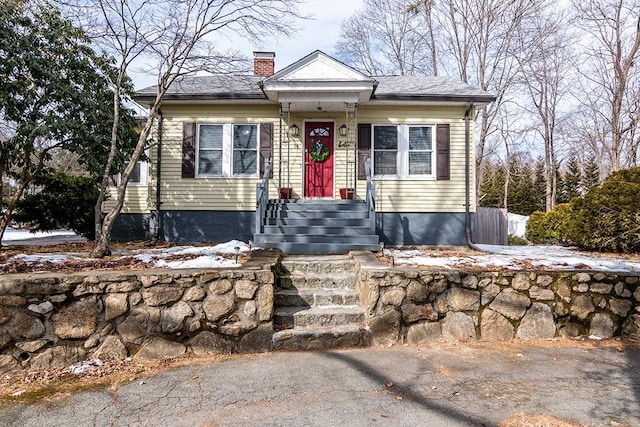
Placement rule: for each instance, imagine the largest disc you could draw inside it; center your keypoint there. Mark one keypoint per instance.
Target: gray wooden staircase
(316, 305)
(316, 227)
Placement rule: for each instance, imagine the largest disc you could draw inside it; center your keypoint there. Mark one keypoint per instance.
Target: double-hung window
(245, 149)
(420, 150)
(403, 151)
(385, 150)
(226, 150)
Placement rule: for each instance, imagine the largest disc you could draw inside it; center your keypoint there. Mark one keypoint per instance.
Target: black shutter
(188, 150)
(443, 157)
(266, 146)
(364, 148)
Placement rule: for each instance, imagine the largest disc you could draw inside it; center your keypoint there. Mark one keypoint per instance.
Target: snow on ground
(12, 234)
(224, 255)
(517, 224)
(514, 257)
(207, 256)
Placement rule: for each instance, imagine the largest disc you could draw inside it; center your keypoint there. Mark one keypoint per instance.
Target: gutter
(156, 225)
(467, 179)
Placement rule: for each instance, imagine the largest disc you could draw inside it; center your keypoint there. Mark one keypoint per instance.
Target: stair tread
(322, 329)
(287, 311)
(297, 291)
(322, 337)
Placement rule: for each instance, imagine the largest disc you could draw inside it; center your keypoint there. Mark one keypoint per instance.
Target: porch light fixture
(343, 130)
(294, 130)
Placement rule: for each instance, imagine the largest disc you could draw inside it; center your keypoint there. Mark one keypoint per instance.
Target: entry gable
(318, 66)
(318, 77)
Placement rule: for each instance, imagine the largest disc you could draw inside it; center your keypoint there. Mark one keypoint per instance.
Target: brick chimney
(263, 63)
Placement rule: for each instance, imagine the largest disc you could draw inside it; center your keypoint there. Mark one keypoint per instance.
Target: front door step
(317, 305)
(318, 338)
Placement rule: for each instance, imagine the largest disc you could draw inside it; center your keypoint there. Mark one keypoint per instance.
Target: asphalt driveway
(436, 385)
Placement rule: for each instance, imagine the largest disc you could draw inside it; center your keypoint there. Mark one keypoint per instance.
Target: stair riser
(310, 299)
(302, 282)
(312, 340)
(292, 207)
(303, 319)
(316, 214)
(320, 230)
(321, 266)
(310, 238)
(318, 222)
(316, 249)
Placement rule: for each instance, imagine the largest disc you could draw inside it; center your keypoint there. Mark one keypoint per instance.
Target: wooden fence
(491, 226)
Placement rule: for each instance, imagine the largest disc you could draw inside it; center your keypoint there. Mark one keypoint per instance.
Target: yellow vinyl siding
(135, 201)
(227, 193)
(210, 193)
(424, 194)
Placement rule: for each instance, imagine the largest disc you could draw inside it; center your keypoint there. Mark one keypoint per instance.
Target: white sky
(320, 32)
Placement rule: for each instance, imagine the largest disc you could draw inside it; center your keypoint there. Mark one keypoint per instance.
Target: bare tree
(177, 38)
(476, 44)
(544, 76)
(610, 77)
(384, 38)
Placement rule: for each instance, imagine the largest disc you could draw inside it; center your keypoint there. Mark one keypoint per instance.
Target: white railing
(371, 197)
(262, 196)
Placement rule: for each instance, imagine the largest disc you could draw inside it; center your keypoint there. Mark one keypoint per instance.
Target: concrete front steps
(317, 227)
(317, 306)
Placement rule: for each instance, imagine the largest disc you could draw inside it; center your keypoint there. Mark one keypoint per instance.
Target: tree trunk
(98, 217)
(101, 248)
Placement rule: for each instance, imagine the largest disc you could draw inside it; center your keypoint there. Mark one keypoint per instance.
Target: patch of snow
(228, 248)
(205, 261)
(84, 367)
(39, 259)
(512, 257)
(11, 234)
(517, 224)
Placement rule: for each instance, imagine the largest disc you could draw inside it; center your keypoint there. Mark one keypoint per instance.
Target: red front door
(318, 159)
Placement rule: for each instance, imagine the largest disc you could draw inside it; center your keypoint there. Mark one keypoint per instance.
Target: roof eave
(200, 97)
(476, 99)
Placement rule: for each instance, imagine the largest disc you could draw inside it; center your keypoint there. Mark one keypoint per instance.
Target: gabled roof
(315, 74)
(318, 66)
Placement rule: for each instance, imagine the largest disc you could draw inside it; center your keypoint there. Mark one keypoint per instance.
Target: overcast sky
(320, 32)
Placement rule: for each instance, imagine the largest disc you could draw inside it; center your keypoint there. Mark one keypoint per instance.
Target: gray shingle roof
(221, 87)
(421, 86)
(210, 87)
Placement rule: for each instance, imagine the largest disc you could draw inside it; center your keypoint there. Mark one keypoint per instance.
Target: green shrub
(516, 240)
(607, 218)
(64, 202)
(551, 228)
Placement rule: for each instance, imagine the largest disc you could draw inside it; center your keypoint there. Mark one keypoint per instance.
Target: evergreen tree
(573, 179)
(522, 197)
(540, 186)
(591, 174)
(492, 186)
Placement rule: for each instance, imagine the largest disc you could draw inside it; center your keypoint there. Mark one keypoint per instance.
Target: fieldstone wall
(415, 305)
(55, 320)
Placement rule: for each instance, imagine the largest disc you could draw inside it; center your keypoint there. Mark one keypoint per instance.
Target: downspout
(156, 225)
(467, 178)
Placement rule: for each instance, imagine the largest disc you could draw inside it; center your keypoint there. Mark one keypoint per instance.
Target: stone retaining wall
(54, 320)
(414, 305)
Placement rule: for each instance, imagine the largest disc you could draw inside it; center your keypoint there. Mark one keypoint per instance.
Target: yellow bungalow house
(316, 158)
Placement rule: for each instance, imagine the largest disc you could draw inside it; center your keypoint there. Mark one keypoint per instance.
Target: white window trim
(227, 151)
(144, 176)
(402, 159)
